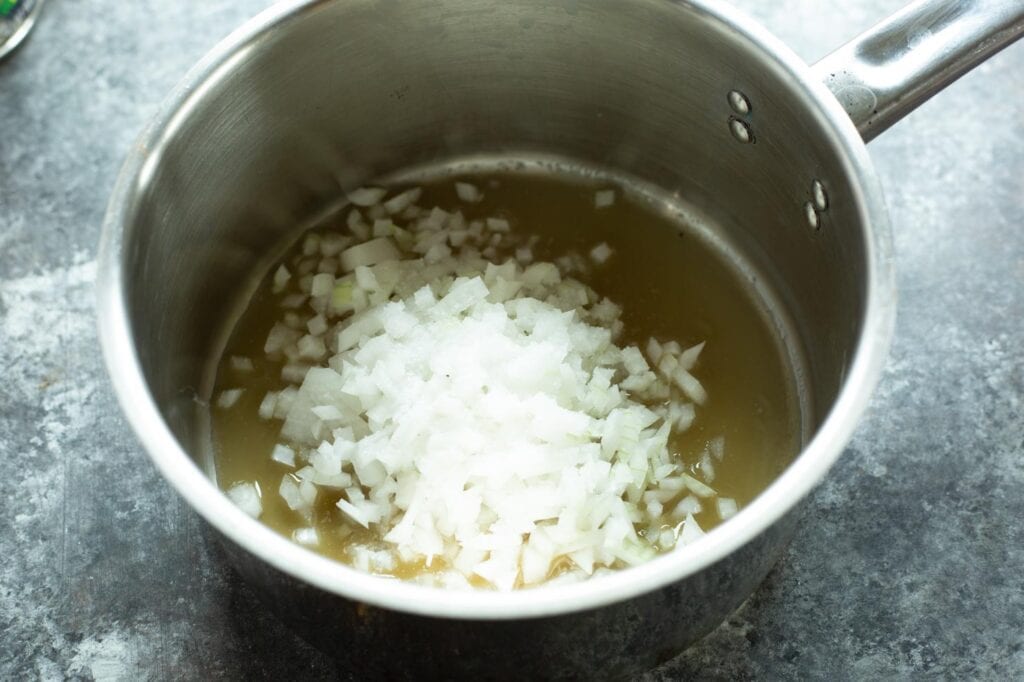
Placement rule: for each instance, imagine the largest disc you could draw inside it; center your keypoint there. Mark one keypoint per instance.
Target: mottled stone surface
(908, 562)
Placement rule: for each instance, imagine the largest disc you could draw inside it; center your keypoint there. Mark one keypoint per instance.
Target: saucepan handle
(892, 68)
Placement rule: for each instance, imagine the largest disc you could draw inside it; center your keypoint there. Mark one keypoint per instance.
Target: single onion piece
(367, 196)
(601, 253)
(688, 358)
(289, 492)
(317, 325)
(400, 202)
(691, 531)
(687, 506)
(604, 198)
(246, 497)
(342, 297)
(241, 364)
(498, 225)
(697, 488)
(468, 193)
(306, 536)
(654, 351)
(229, 397)
(727, 508)
(268, 405)
(717, 447)
(283, 454)
(281, 277)
(369, 253)
(321, 285)
(690, 386)
(354, 512)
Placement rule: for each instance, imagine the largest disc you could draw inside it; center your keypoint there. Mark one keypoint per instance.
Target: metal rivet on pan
(741, 130)
(812, 216)
(739, 102)
(818, 195)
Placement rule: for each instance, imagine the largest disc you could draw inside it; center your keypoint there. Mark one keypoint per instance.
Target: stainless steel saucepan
(314, 97)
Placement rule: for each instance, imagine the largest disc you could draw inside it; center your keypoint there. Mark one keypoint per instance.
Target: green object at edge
(7, 7)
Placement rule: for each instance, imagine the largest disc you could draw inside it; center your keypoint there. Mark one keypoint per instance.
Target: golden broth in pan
(670, 285)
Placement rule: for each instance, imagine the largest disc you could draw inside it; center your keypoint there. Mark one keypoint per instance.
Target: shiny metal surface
(892, 68)
(15, 27)
(314, 98)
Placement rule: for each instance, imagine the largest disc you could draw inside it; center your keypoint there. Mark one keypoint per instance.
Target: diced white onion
(691, 532)
(322, 284)
(687, 506)
(716, 446)
(229, 397)
(306, 536)
(727, 507)
(317, 325)
(601, 253)
(697, 488)
(283, 454)
(688, 358)
(468, 193)
(368, 253)
(690, 386)
(400, 202)
(420, 362)
(246, 497)
(268, 405)
(604, 198)
(241, 364)
(367, 196)
(498, 225)
(281, 277)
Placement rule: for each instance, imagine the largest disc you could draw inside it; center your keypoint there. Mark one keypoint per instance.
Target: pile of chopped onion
(475, 412)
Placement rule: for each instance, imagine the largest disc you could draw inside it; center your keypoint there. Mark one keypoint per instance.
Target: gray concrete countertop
(909, 559)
